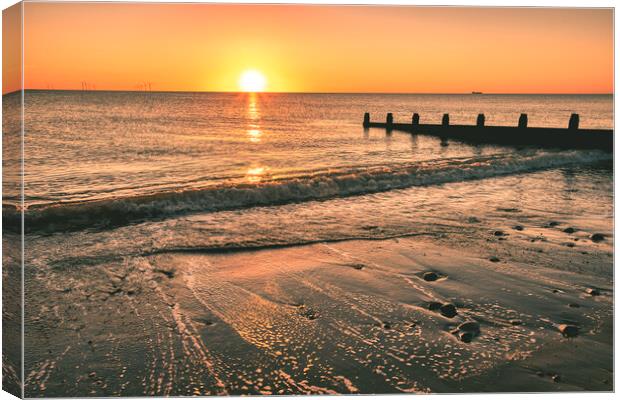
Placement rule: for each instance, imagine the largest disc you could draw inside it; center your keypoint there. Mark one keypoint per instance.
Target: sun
(252, 81)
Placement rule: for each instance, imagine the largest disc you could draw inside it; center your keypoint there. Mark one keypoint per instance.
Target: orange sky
(319, 48)
(11, 49)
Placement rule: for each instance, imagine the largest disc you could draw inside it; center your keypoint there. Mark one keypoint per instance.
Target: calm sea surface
(196, 170)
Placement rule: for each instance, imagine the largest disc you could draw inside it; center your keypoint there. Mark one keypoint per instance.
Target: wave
(122, 211)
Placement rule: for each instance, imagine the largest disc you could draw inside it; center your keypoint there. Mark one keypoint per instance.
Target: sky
(305, 48)
(11, 49)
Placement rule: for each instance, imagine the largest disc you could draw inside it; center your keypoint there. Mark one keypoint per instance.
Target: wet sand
(345, 317)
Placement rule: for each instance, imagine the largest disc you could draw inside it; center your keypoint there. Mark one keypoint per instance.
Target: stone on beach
(448, 310)
(597, 237)
(469, 326)
(569, 230)
(593, 291)
(434, 306)
(465, 337)
(466, 331)
(494, 259)
(308, 313)
(169, 273)
(430, 276)
(568, 330)
(518, 228)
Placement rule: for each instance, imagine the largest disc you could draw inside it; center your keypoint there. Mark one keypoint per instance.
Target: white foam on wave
(315, 187)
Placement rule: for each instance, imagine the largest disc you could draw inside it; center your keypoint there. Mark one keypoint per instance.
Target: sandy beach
(342, 317)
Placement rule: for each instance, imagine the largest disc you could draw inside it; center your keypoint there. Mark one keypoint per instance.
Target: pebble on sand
(569, 230)
(518, 228)
(465, 337)
(308, 313)
(568, 330)
(494, 259)
(448, 310)
(469, 326)
(434, 306)
(430, 276)
(499, 233)
(169, 273)
(467, 331)
(593, 291)
(597, 237)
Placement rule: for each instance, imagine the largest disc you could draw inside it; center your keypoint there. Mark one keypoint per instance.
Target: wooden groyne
(571, 137)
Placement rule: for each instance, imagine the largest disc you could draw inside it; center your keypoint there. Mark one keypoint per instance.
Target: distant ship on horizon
(476, 92)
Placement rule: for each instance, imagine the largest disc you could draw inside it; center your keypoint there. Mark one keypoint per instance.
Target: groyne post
(523, 121)
(366, 120)
(445, 120)
(521, 135)
(573, 122)
(415, 120)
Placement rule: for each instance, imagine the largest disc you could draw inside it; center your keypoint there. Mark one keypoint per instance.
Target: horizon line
(293, 92)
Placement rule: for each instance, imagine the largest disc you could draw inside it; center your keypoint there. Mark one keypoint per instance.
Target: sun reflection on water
(254, 132)
(256, 174)
(254, 135)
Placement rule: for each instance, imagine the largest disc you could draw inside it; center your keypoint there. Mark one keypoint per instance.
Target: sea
(243, 169)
